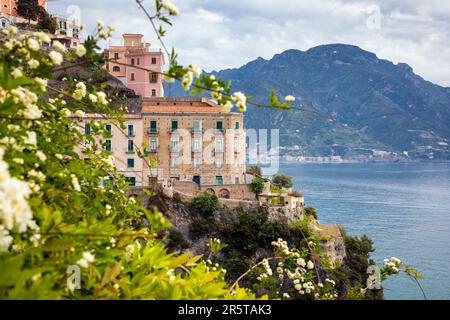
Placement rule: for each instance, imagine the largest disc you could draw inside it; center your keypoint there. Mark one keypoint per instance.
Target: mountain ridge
(377, 104)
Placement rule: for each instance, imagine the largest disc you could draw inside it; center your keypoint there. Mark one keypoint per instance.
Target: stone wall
(228, 191)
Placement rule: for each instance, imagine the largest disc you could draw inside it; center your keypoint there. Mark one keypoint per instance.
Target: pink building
(137, 53)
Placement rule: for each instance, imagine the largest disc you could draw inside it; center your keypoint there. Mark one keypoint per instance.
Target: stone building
(189, 140)
(193, 139)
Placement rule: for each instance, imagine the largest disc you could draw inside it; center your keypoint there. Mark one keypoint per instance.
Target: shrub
(201, 226)
(177, 240)
(301, 229)
(311, 211)
(253, 231)
(206, 203)
(255, 170)
(282, 181)
(257, 185)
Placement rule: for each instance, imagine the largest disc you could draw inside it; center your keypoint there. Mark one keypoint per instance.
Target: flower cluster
(392, 265)
(170, 7)
(15, 213)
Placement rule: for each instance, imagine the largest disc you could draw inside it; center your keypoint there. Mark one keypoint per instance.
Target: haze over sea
(404, 208)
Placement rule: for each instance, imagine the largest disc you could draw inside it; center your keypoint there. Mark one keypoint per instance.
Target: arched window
(116, 69)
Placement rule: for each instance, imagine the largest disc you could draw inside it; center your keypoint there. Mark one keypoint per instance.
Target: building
(9, 15)
(188, 140)
(67, 31)
(194, 140)
(134, 58)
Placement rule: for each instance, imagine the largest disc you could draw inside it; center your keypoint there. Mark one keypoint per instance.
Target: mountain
(377, 105)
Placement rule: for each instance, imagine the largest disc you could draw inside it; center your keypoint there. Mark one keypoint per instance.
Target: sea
(403, 207)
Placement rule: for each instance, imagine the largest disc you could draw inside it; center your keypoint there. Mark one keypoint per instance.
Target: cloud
(219, 34)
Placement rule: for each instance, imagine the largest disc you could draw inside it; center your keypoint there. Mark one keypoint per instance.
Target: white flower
(31, 138)
(33, 44)
(58, 46)
(80, 50)
(79, 113)
(12, 29)
(5, 239)
(240, 99)
(102, 98)
(41, 155)
(187, 80)
(75, 183)
(227, 106)
(100, 24)
(56, 57)
(80, 91)
(86, 259)
(93, 98)
(289, 99)
(286, 296)
(66, 112)
(170, 7)
(301, 262)
(310, 265)
(108, 209)
(195, 70)
(42, 37)
(32, 112)
(33, 64)
(17, 73)
(129, 252)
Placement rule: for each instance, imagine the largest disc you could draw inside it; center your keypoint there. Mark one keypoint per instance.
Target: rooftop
(177, 105)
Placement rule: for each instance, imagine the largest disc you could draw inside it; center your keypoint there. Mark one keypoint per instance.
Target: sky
(219, 34)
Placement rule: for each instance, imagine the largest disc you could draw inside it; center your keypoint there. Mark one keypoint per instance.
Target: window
(153, 92)
(154, 77)
(174, 126)
(87, 129)
(236, 181)
(196, 145)
(197, 125)
(153, 144)
(174, 144)
(109, 129)
(116, 55)
(196, 163)
(219, 125)
(153, 60)
(219, 163)
(138, 61)
(132, 77)
(219, 181)
(173, 162)
(132, 62)
(237, 145)
(131, 181)
(131, 129)
(130, 163)
(237, 125)
(219, 145)
(153, 127)
(116, 69)
(130, 147)
(108, 145)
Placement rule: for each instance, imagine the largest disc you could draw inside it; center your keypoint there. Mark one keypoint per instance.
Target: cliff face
(332, 243)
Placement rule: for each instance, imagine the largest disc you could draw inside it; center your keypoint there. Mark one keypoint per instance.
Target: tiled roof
(183, 105)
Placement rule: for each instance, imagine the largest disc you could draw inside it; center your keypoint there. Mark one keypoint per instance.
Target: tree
(282, 181)
(29, 9)
(257, 185)
(255, 170)
(206, 203)
(46, 22)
